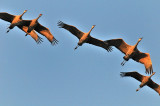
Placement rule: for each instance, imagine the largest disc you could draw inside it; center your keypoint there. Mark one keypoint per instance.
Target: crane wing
(119, 44)
(6, 17)
(99, 43)
(46, 32)
(71, 29)
(145, 59)
(33, 34)
(25, 23)
(154, 86)
(133, 74)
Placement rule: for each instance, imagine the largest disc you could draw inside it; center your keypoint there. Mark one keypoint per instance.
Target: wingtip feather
(149, 70)
(39, 40)
(108, 48)
(54, 42)
(60, 24)
(122, 74)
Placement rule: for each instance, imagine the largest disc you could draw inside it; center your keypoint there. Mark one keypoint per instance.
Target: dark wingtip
(60, 24)
(109, 49)
(39, 40)
(54, 42)
(149, 70)
(122, 74)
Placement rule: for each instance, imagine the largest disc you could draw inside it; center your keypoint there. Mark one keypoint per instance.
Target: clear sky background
(46, 75)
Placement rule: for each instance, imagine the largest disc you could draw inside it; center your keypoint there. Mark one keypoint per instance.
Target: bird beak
(93, 26)
(154, 73)
(25, 10)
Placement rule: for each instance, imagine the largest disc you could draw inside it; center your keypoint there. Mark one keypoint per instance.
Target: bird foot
(123, 63)
(8, 30)
(76, 47)
(137, 89)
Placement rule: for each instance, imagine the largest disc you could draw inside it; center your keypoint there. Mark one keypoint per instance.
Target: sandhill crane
(13, 19)
(35, 25)
(84, 37)
(16, 20)
(145, 80)
(132, 52)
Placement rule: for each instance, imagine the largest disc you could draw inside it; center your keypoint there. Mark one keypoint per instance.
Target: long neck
(90, 30)
(151, 75)
(137, 43)
(22, 14)
(38, 17)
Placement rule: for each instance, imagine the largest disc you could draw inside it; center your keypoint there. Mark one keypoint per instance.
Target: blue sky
(46, 75)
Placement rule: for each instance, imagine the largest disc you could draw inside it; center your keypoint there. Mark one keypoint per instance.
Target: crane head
(152, 74)
(25, 11)
(93, 26)
(140, 39)
(40, 14)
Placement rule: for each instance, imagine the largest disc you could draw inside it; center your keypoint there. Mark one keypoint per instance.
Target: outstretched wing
(145, 59)
(46, 32)
(33, 34)
(99, 43)
(71, 29)
(6, 17)
(119, 44)
(154, 86)
(133, 74)
(25, 23)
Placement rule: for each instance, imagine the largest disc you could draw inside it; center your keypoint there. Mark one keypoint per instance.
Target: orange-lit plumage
(84, 37)
(35, 25)
(16, 20)
(132, 52)
(145, 80)
(13, 19)
(33, 34)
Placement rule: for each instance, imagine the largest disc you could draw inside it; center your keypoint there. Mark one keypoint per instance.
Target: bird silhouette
(16, 20)
(145, 80)
(84, 37)
(132, 52)
(13, 19)
(35, 25)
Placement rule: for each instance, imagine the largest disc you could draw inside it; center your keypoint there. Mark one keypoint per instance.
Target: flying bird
(16, 20)
(13, 19)
(84, 37)
(145, 80)
(132, 52)
(35, 25)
